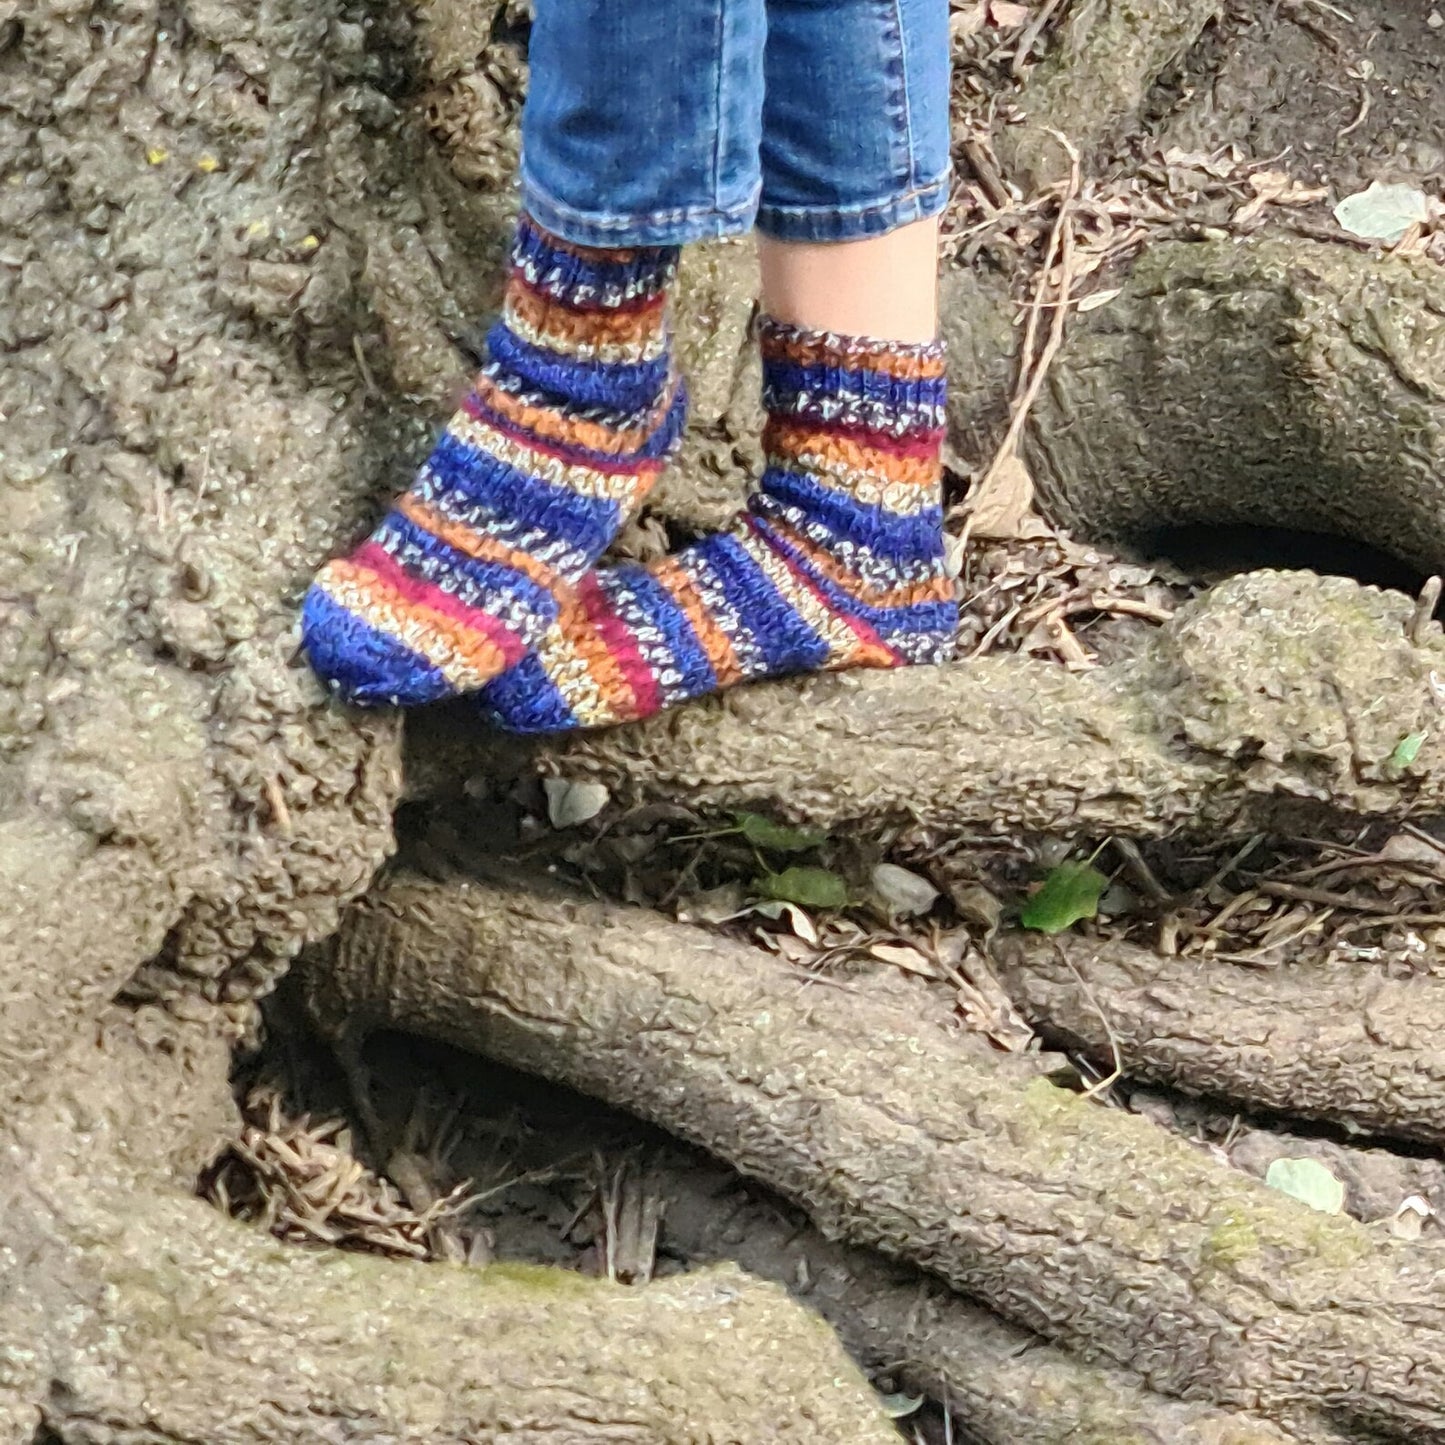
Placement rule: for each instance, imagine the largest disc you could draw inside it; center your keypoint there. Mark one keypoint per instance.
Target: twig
(1032, 374)
(1296, 893)
(1027, 41)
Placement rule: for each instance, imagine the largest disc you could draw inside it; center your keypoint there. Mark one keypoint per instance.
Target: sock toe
(364, 665)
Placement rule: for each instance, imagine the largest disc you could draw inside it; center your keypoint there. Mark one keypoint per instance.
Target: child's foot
(571, 420)
(837, 563)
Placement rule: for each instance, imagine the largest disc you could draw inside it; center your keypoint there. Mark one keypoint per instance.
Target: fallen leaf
(1001, 505)
(896, 1407)
(906, 957)
(1008, 16)
(1308, 1181)
(1070, 892)
(570, 802)
(775, 837)
(1406, 751)
(811, 887)
(1383, 213)
(1097, 299)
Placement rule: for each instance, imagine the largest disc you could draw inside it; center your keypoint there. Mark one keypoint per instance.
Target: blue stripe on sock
(784, 639)
(365, 666)
(786, 382)
(915, 617)
(887, 534)
(660, 608)
(485, 585)
(524, 699)
(586, 523)
(619, 386)
(648, 270)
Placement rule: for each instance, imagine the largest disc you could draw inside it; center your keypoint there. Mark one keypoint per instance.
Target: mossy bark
(1354, 1044)
(1090, 84)
(1281, 382)
(1269, 694)
(129, 1312)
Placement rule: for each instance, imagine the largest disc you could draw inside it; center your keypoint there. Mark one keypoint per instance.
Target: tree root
(1091, 1227)
(1101, 64)
(1271, 692)
(1324, 410)
(1007, 1385)
(1352, 1044)
(128, 1312)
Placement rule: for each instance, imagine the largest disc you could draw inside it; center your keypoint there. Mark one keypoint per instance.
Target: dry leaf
(966, 20)
(1098, 299)
(1001, 507)
(905, 957)
(1008, 16)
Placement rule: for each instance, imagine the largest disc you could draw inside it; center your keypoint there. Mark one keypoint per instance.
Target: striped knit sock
(837, 562)
(570, 421)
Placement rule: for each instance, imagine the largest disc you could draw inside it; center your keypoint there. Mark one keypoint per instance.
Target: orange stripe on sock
(909, 365)
(715, 642)
(789, 441)
(583, 328)
(476, 544)
(466, 658)
(553, 426)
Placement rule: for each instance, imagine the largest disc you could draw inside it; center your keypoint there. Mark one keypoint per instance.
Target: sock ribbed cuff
(896, 387)
(589, 278)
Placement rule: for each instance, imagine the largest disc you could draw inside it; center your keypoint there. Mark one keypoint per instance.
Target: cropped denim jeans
(655, 122)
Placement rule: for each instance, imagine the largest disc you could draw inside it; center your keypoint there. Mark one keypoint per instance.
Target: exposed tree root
(1356, 1045)
(1100, 65)
(1270, 691)
(1091, 1227)
(129, 1312)
(1008, 1386)
(1324, 409)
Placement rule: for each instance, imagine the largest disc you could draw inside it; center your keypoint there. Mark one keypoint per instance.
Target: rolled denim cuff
(854, 223)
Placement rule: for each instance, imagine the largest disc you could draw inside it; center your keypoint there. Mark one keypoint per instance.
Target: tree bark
(1093, 1228)
(1269, 694)
(1324, 409)
(1006, 1385)
(1093, 78)
(131, 1313)
(1353, 1044)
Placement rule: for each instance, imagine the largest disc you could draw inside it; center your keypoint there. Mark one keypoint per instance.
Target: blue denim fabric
(655, 122)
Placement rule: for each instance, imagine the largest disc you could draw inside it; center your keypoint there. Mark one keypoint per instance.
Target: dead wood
(129, 1312)
(1091, 1227)
(1352, 1043)
(1271, 691)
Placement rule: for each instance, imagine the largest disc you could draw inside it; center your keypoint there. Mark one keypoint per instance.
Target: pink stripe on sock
(614, 632)
(424, 594)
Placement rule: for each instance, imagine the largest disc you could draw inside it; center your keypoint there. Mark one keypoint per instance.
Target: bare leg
(884, 286)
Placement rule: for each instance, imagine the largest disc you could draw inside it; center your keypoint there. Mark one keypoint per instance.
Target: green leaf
(1406, 751)
(1070, 892)
(774, 837)
(810, 887)
(1308, 1181)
